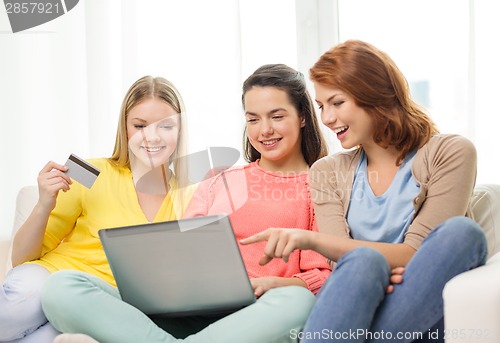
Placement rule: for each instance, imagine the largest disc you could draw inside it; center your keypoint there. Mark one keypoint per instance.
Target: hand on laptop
(281, 242)
(262, 284)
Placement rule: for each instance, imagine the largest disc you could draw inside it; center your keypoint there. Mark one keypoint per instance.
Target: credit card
(81, 171)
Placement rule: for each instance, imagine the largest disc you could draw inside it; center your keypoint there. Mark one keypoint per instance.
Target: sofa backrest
(485, 206)
(27, 198)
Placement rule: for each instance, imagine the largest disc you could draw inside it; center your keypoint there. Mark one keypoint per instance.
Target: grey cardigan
(445, 168)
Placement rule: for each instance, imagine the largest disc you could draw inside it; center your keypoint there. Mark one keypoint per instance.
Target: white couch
(471, 300)
(25, 201)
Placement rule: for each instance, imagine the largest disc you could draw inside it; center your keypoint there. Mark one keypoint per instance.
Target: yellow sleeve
(63, 218)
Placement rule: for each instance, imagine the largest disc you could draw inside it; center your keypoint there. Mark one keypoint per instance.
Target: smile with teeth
(271, 142)
(340, 129)
(153, 149)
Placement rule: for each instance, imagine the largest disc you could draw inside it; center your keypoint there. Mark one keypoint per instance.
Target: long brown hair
(292, 82)
(373, 80)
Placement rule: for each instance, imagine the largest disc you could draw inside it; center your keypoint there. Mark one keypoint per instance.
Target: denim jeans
(353, 306)
(21, 316)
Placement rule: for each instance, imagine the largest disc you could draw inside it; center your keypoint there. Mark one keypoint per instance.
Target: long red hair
(373, 80)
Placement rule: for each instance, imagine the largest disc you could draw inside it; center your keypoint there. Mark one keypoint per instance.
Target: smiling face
(152, 132)
(340, 113)
(273, 128)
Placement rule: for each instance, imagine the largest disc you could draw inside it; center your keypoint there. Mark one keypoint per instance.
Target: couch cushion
(485, 206)
(25, 201)
(4, 249)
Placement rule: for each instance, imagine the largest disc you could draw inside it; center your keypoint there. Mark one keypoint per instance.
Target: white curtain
(486, 71)
(62, 83)
(449, 53)
(43, 101)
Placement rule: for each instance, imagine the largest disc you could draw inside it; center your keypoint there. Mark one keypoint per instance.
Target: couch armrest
(4, 252)
(472, 305)
(25, 201)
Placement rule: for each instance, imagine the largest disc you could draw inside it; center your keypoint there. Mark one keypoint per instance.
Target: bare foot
(74, 338)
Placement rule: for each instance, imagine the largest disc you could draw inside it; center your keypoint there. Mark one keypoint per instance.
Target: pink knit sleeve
(314, 266)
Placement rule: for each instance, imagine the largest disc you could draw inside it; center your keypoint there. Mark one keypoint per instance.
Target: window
(445, 50)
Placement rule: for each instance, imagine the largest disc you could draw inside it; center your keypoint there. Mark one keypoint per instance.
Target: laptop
(179, 268)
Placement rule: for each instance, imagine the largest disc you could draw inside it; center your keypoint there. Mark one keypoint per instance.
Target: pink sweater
(256, 200)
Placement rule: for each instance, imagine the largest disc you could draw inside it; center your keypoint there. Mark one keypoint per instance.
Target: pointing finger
(258, 237)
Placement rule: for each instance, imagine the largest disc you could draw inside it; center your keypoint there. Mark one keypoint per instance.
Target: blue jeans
(21, 316)
(353, 306)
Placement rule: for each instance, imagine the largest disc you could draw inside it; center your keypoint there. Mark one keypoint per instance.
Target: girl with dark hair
(292, 83)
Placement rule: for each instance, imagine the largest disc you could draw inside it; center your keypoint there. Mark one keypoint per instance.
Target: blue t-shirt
(383, 218)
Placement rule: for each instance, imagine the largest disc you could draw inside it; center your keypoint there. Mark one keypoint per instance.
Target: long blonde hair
(160, 88)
